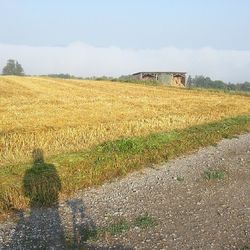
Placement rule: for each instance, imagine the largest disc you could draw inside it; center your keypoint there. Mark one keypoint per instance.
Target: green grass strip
(25, 185)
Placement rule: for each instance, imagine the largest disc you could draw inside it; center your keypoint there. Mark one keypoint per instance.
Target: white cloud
(85, 60)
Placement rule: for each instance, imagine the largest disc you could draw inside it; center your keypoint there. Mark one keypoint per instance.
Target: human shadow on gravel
(84, 229)
(41, 226)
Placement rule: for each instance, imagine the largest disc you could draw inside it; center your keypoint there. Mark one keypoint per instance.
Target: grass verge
(74, 171)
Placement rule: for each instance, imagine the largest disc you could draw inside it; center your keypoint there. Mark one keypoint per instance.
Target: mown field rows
(62, 116)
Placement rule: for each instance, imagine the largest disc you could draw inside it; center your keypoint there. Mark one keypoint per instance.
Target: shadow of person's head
(37, 155)
(41, 183)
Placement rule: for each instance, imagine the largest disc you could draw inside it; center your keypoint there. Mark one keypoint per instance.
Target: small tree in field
(13, 68)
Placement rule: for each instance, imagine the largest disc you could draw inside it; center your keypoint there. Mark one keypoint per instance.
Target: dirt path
(163, 207)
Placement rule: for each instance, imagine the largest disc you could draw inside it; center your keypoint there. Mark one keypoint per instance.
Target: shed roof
(160, 72)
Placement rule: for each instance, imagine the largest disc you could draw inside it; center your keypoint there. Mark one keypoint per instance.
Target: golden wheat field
(62, 116)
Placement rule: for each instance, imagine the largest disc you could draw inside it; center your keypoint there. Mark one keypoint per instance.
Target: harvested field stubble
(63, 116)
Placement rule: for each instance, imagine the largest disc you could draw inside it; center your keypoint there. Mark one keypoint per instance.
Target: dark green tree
(202, 82)
(189, 81)
(13, 68)
(245, 86)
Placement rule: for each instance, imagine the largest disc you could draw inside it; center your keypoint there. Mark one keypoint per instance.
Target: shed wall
(165, 78)
(173, 79)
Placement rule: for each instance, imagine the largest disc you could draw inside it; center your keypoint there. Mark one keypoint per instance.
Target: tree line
(206, 82)
(13, 67)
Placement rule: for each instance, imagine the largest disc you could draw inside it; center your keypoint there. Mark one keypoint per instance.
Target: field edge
(112, 159)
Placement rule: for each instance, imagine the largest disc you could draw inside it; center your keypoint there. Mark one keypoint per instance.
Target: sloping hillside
(70, 115)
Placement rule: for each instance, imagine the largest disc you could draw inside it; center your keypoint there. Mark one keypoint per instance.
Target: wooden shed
(166, 78)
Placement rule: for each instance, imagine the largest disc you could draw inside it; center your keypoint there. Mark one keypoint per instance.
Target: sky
(118, 37)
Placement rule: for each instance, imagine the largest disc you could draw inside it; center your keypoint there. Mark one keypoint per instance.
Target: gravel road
(186, 211)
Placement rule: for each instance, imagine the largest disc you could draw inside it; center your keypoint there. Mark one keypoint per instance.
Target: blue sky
(128, 29)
